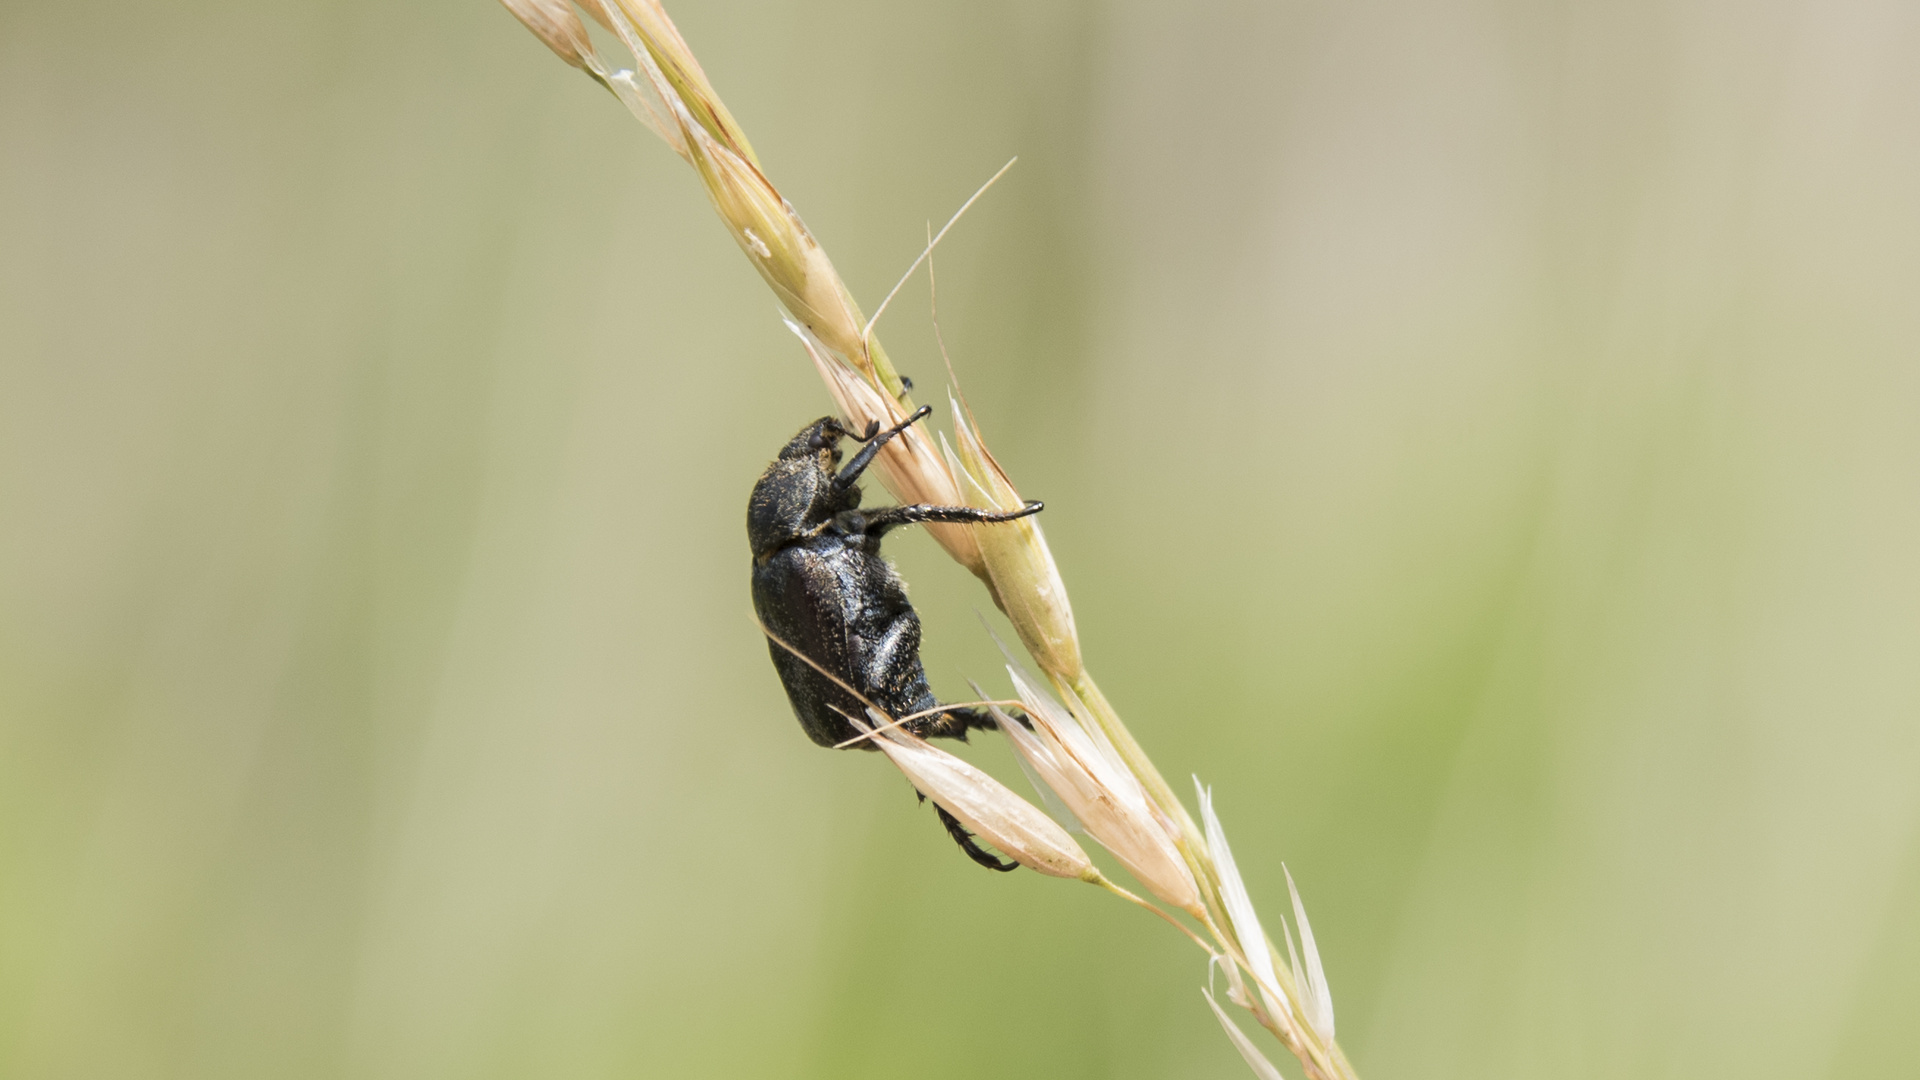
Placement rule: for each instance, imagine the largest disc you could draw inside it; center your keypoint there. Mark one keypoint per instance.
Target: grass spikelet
(984, 805)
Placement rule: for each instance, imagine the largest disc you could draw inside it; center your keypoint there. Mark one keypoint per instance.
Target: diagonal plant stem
(1087, 756)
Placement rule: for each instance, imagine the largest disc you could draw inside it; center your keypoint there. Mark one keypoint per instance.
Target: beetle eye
(816, 441)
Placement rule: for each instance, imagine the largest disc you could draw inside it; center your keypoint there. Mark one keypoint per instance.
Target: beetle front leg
(875, 440)
(879, 522)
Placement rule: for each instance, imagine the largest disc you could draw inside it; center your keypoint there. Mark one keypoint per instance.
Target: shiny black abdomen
(834, 598)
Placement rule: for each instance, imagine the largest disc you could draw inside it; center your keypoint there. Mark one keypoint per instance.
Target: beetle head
(823, 434)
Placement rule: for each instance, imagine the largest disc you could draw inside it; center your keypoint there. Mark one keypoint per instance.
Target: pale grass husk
(1080, 748)
(986, 807)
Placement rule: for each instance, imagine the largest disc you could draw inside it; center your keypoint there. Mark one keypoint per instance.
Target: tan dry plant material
(1101, 795)
(985, 806)
(1079, 748)
(554, 22)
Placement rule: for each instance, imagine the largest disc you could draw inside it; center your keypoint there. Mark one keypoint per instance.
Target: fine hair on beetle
(841, 632)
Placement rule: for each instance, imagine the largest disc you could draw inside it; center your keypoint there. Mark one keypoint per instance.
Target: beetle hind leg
(965, 839)
(956, 722)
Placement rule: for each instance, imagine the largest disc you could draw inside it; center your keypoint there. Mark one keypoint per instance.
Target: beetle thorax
(793, 498)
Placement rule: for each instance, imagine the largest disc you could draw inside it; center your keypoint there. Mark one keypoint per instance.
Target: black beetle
(821, 588)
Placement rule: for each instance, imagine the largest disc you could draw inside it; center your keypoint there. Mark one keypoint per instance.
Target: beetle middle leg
(879, 522)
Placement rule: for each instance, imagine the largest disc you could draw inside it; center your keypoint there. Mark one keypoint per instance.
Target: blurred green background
(1482, 439)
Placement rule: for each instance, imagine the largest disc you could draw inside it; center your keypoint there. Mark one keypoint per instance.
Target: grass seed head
(986, 806)
(1099, 791)
(1312, 981)
(1244, 922)
(554, 22)
(1019, 567)
(599, 13)
(1249, 1053)
(645, 28)
(1097, 767)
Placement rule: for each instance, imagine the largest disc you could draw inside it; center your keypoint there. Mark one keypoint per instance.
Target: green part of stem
(1106, 883)
(883, 371)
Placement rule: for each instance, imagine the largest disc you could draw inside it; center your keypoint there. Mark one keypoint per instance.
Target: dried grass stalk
(1089, 763)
